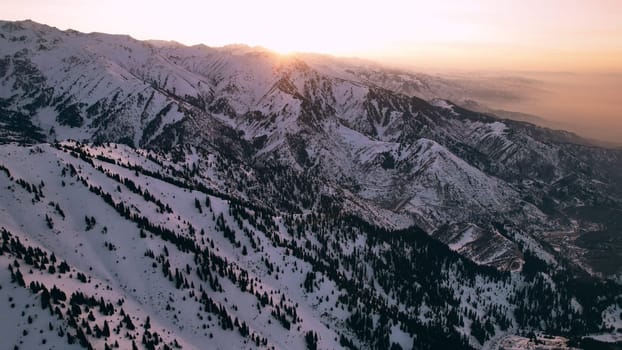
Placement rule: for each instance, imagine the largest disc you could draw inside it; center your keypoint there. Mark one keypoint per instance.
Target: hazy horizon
(587, 104)
(570, 50)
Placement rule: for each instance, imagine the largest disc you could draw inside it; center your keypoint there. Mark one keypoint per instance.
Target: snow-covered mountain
(239, 198)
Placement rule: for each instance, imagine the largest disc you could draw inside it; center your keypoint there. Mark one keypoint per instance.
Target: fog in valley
(589, 104)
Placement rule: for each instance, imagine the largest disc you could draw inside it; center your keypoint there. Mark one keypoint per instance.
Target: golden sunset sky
(572, 49)
(575, 35)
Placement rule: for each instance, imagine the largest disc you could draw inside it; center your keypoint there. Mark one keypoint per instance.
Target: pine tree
(106, 330)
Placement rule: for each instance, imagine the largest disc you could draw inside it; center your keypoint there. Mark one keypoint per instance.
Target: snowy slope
(83, 204)
(124, 271)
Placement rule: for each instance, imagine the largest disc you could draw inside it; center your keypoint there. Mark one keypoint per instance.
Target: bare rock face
(543, 342)
(483, 246)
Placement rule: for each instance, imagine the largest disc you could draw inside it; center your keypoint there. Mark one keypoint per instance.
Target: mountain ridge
(267, 106)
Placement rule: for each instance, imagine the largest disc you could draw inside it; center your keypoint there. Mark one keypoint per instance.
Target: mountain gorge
(240, 198)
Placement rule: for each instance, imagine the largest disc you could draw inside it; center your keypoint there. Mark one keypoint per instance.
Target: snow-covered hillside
(169, 262)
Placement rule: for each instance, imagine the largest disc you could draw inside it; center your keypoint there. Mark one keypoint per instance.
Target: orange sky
(556, 35)
(522, 37)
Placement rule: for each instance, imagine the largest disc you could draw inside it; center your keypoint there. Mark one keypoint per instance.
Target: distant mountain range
(237, 198)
